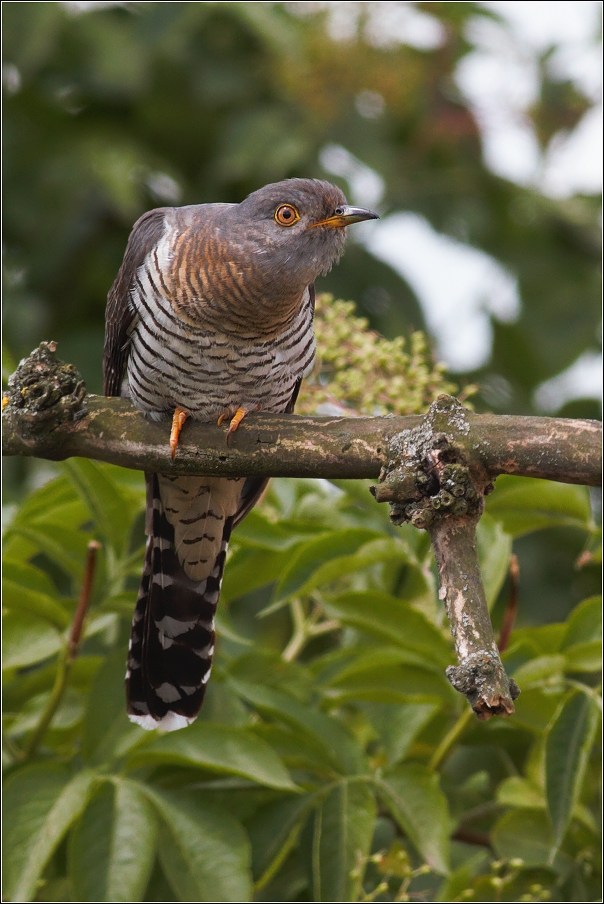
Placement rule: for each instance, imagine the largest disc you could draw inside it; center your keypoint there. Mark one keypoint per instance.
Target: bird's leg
(180, 416)
(236, 419)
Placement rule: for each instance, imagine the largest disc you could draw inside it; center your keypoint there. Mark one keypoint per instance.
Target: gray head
(296, 229)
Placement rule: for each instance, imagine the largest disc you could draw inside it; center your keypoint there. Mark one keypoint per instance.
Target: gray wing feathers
(119, 317)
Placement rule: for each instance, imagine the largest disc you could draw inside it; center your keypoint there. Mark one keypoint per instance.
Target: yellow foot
(180, 416)
(236, 419)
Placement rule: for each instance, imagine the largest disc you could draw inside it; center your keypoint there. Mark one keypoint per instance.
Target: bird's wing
(119, 316)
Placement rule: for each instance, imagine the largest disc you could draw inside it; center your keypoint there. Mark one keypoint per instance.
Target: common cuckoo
(210, 316)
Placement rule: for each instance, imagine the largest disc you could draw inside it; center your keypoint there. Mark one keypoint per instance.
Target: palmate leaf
(413, 796)
(312, 555)
(21, 598)
(203, 850)
(339, 747)
(112, 846)
(525, 504)
(41, 802)
(527, 835)
(109, 505)
(274, 831)
(342, 833)
(393, 620)
(27, 639)
(567, 748)
(218, 748)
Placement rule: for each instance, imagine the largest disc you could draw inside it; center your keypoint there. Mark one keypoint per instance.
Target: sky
(499, 78)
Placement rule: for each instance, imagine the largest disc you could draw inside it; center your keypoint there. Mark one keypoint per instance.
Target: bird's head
(296, 228)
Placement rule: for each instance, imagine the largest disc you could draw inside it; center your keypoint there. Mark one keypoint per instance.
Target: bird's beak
(345, 216)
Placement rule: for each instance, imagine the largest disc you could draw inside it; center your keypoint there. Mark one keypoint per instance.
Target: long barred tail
(172, 639)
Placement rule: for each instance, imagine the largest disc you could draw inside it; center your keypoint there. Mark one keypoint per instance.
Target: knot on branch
(44, 392)
(429, 474)
(482, 679)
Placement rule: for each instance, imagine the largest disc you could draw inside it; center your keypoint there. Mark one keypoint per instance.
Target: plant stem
(68, 654)
(299, 636)
(450, 739)
(509, 616)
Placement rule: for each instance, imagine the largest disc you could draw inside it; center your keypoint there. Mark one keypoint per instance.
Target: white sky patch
(500, 80)
(459, 287)
(582, 380)
(366, 186)
(383, 24)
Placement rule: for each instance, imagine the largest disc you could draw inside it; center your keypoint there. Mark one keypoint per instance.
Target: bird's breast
(176, 360)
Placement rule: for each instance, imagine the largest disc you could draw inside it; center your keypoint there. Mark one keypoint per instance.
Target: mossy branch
(434, 471)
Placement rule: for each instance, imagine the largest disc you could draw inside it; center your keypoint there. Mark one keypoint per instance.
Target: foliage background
(116, 110)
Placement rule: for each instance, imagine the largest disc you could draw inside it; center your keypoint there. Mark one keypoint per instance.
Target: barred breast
(205, 368)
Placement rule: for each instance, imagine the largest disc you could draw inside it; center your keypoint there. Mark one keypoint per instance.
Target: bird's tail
(172, 639)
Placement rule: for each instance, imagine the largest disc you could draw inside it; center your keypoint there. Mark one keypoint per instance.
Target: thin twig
(511, 610)
(68, 654)
(450, 739)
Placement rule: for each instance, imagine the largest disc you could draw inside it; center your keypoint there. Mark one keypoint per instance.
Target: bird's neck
(220, 288)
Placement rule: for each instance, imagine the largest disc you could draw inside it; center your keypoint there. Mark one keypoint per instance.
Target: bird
(210, 317)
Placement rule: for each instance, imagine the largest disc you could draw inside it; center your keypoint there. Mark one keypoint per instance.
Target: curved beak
(345, 216)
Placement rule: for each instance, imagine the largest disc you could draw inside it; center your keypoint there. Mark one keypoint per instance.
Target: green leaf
(256, 530)
(393, 620)
(298, 748)
(582, 642)
(27, 639)
(527, 835)
(21, 598)
(584, 657)
(27, 575)
(106, 722)
(525, 504)
(494, 550)
(65, 546)
(519, 792)
(40, 803)
(389, 675)
(105, 501)
(42, 503)
(536, 706)
(218, 748)
(310, 556)
(584, 625)
(68, 714)
(203, 850)
(343, 830)
(415, 800)
(274, 830)
(249, 569)
(398, 726)
(112, 847)
(542, 671)
(330, 735)
(568, 746)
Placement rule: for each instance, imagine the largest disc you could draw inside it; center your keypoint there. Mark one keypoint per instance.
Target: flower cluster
(360, 371)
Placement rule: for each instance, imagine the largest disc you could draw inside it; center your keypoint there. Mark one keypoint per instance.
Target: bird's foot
(180, 416)
(236, 419)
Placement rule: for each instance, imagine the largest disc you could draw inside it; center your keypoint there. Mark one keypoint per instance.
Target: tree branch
(434, 471)
(38, 422)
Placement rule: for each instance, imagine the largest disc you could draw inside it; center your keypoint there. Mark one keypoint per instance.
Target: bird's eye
(286, 215)
(339, 211)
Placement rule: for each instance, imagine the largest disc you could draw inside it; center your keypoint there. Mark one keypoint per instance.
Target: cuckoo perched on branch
(210, 317)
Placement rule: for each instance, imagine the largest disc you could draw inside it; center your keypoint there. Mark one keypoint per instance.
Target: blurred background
(473, 128)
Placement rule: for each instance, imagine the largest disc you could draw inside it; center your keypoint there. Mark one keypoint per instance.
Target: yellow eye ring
(286, 215)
